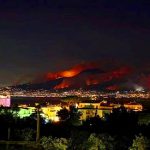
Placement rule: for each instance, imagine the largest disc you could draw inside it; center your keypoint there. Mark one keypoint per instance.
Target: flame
(62, 85)
(72, 72)
(94, 79)
(116, 74)
(113, 88)
(66, 83)
(73, 77)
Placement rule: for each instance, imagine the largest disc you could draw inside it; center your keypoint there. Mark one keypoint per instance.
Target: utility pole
(8, 135)
(38, 124)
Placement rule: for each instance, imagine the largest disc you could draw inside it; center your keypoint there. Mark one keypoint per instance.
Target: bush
(140, 143)
(50, 143)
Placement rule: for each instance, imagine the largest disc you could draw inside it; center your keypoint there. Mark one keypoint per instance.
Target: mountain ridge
(104, 76)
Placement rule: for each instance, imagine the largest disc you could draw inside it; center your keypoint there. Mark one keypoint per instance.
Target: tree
(9, 117)
(50, 143)
(94, 143)
(63, 114)
(118, 120)
(72, 116)
(26, 134)
(77, 139)
(85, 141)
(108, 141)
(140, 143)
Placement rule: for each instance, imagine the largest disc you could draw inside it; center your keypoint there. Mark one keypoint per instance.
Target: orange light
(69, 73)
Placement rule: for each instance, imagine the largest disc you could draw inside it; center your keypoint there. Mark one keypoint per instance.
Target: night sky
(41, 36)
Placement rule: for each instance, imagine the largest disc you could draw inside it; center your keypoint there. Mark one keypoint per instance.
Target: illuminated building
(96, 109)
(26, 112)
(5, 101)
(92, 112)
(50, 112)
(47, 112)
(101, 105)
(88, 105)
(133, 106)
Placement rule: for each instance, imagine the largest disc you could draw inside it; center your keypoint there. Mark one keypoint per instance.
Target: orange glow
(68, 74)
(62, 85)
(112, 88)
(92, 82)
(87, 74)
(101, 78)
(72, 72)
(73, 80)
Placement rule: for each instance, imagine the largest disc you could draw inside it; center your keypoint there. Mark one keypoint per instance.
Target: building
(5, 101)
(93, 109)
(133, 106)
(26, 112)
(50, 112)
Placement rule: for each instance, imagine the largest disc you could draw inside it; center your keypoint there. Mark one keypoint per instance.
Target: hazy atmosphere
(47, 36)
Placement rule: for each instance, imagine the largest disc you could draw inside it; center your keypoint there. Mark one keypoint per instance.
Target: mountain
(98, 75)
(35, 86)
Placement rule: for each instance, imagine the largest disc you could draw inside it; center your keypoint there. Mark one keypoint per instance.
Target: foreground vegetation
(118, 130)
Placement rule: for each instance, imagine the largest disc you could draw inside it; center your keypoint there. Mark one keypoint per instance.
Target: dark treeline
(118, 130)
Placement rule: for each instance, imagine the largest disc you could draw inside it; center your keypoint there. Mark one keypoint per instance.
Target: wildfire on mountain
(73, 71)
(94, 79)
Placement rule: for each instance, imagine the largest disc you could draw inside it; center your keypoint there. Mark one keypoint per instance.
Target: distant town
(89, 103)
(93, 94)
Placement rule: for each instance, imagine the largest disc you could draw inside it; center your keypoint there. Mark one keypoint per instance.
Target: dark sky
(41, 36)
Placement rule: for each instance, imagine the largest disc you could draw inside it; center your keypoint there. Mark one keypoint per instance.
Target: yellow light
(56, 119)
